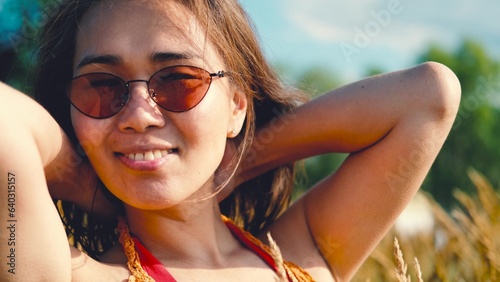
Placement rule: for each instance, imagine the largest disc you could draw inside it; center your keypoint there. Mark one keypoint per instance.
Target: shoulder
(293, 237)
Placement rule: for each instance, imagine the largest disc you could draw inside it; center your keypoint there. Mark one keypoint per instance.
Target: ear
(238, 113)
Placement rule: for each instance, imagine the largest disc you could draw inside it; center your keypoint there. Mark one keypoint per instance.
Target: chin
(156, 200)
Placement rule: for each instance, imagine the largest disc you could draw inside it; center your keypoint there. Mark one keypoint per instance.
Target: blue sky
(348, 37)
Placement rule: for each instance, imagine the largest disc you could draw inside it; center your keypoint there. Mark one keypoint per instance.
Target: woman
(172, 103)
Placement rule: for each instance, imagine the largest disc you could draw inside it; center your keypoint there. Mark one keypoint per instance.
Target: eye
(176, 76)
(105, 82)
(179, 74)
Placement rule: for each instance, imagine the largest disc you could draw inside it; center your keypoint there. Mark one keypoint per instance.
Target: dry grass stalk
(480, 219)
(418, 270)
(401, 266)
(278, 258)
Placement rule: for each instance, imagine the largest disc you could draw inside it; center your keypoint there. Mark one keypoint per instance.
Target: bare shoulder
(85, 268)
(297, 245)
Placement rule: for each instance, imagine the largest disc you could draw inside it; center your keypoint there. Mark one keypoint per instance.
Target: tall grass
(463, 246)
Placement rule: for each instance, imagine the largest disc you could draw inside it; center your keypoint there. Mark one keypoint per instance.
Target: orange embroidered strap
(134, 264)
(294, 273)
(143, 265)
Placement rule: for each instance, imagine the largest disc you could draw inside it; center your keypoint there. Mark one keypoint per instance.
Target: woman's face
(148, 157)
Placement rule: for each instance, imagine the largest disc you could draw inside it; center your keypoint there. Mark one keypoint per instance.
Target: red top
(160, 273)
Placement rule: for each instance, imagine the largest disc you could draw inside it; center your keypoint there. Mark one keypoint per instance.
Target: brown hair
(254, 204)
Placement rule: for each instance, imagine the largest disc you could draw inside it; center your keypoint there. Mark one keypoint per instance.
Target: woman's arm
(32, 235)
(394, 126)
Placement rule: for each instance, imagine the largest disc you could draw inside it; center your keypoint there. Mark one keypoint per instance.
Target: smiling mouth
(149, 155)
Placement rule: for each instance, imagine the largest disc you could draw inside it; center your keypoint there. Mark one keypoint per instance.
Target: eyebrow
(101, 59)
(157, 57)
(160, 57)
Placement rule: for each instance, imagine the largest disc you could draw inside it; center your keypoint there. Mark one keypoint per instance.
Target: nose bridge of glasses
(137, 80)
(128, 84)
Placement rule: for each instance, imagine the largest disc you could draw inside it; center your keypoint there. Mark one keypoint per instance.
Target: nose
(141, 112)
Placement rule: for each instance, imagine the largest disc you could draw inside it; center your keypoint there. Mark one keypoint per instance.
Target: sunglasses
(175, 89)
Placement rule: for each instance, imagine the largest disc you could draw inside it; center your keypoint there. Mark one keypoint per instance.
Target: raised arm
(38, 164)
(35, 242)
(394, 126)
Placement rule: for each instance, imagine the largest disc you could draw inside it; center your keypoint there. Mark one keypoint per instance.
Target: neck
(189, 232)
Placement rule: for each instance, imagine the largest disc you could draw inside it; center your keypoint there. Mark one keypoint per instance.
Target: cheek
(207, 131)
(214, 117)
(90, 132)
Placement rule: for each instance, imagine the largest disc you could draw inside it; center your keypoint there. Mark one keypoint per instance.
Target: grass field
(463, 245)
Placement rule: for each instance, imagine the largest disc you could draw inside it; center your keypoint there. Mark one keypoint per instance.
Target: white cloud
(411, 38)
(324, 20)
(323, 31)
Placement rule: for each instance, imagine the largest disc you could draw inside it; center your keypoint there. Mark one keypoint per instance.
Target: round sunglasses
(174, 88)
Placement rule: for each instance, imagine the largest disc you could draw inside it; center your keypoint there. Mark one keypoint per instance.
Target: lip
(144, 165)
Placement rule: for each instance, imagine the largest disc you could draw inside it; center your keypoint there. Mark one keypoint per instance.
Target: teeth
(157, 154)
(149, 155)
(139, 157)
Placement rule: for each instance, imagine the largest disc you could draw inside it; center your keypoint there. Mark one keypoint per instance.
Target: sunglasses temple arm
(219, 74)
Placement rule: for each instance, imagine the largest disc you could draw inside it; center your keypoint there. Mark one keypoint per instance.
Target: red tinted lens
(98, 95)
(179, 88)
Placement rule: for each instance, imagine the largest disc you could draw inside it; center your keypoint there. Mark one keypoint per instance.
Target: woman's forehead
(130, 28)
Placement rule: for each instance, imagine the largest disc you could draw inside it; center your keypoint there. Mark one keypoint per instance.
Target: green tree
(20, 21)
